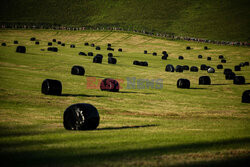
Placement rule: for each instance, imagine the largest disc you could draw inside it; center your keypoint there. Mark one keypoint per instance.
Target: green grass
(210, 19)
(206, 125)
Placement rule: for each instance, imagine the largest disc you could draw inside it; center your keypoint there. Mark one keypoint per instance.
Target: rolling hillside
(210, 19)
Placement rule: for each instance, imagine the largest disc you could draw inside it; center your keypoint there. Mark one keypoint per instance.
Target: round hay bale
(239, 80)
(110, 54)
(136, 62)
(86, 44)
(72, 46)
(223, 61)
(144, 63)
(185, 67)
(51, 87)
(49, 43)
(188, 48)
(77, 70)
(164, 57)
(169, 68)
(53, 49)
(92, 45)
(97, 59)
(109, 45)
(99, 55)
(63, 44)
(205, 48)
(21, 49)
(164, 52)
(154, 54)
(242, 64)
(194, 69)
(112, 60)
(181, 58)
(53, 40)
(246, 63)
(204, 67)
(204, 80)
(3, 44)
(179, 68)
(110, 85)
(111, 49)
(237, 68)
(120, 50)
(15, 42)
(145, 52)
(230, 76)
(81, 116)
(82, 54)
(245, 96)
(221, 57)
(219, 66)
(211, 70)
(98, 48)
(59, 42)
(209, 58)
(183, 83)
(199, 56)
(37, 42)
(227, 71)
(90, 54)
(32, 39)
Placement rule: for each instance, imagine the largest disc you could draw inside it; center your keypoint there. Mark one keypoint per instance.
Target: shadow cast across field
(80, 95)
(127, 127)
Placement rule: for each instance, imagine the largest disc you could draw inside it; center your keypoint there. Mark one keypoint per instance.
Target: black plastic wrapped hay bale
(169, 68)
(183, 83)
(37, 42)
(21, 49)
(154, 54)
(246, 63)
(237, 68)
(77, 70)
(15, 42)
(98, 48)
(109, 45)
(221, 57)
(205, 48)
(90, 54)
(204, 80)
(179, 68)
(51, 87)
(245, 97)
(230, 76)
(59, 42)
(3, 44)
(185, 67)
(211, 70)
(112, 60)
(194, 69)
(110, 85)
(209, 58)
(239, 80)
(180, 57)
(227, 71)
(143, 63)
(120, 50)
(53, 49)
(49, 43)
(204, 67)
(82, 54)
(164, 57)
(219, 66)
(97, 59)
(32, 39)
(136, 62)
(53, 40)
(81, 116)
(242, 64)
(188, 48)
(223, 61)
(111, 49)
(72, 46)
(63, 44)
(110, 54)
(199, 56)
(86, 44)
(92, 45)
(99, 55)
(145, 52)
(164, 52)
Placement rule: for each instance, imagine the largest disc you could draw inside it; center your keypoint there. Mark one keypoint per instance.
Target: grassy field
(206, 125)
(210, 19)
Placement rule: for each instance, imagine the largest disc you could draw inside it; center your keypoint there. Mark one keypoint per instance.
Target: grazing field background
(209, 19)
(204, 125)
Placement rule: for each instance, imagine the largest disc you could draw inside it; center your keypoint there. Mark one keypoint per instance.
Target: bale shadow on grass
(127, 127)
(80, 95)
